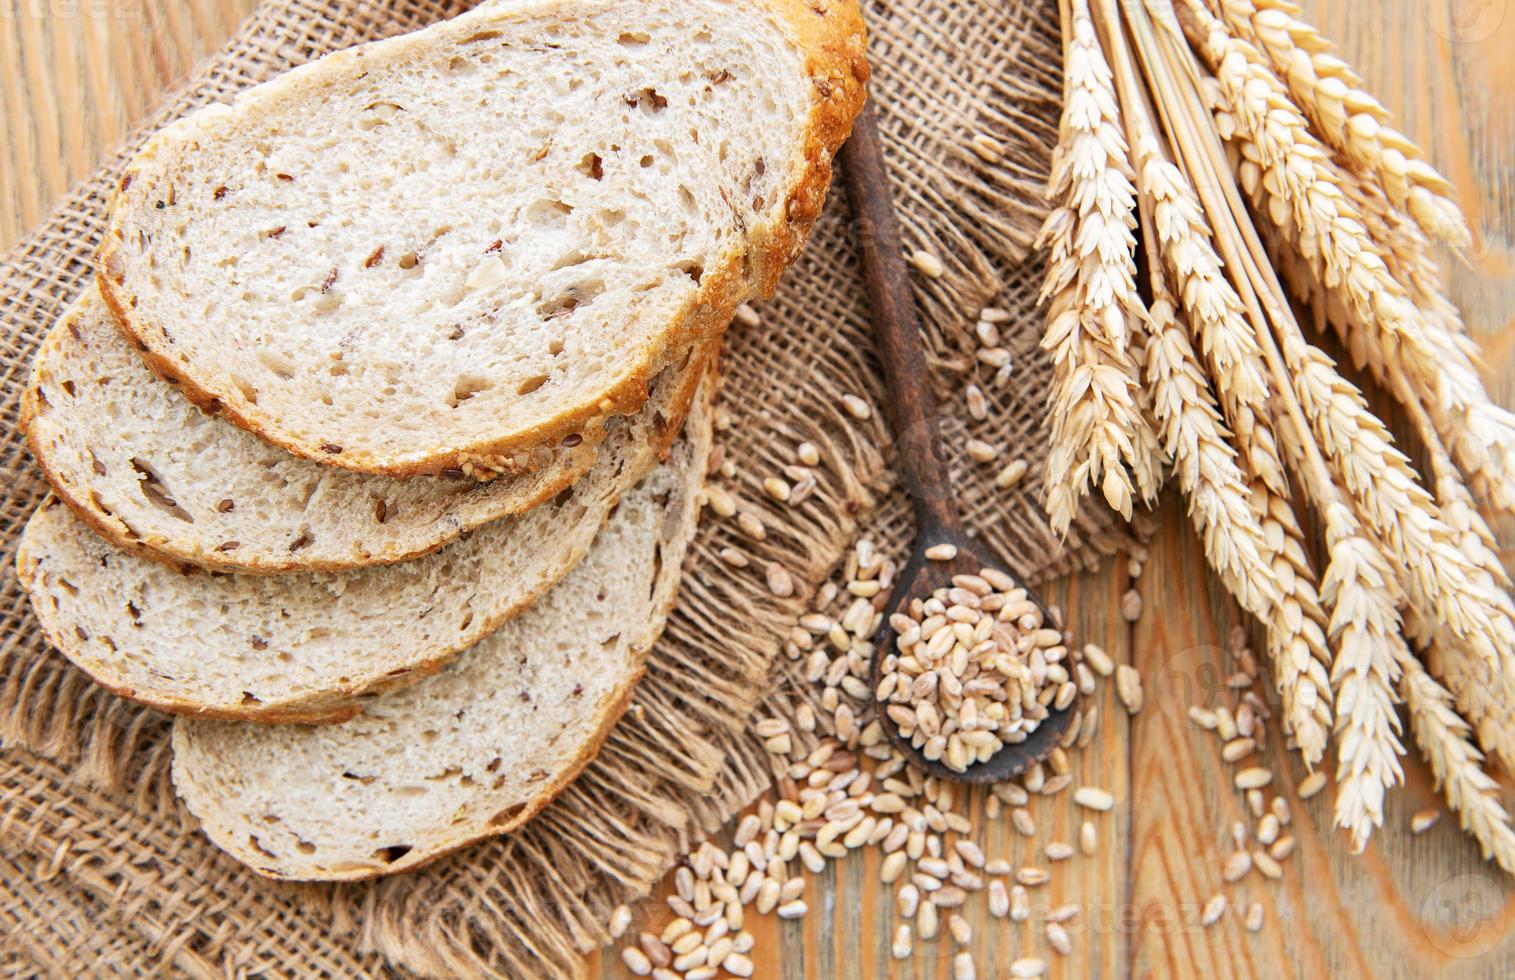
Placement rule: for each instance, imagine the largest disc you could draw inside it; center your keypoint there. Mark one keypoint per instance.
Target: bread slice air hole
(507, 815)
(466, 387)
(532, 384)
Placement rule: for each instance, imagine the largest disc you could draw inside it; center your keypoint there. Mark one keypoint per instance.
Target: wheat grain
(1350, 119)
(1456, 764)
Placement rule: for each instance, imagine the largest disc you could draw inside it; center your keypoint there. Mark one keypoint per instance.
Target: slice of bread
(150, 472)
(446, 249)
(477, 749)
(305, 646)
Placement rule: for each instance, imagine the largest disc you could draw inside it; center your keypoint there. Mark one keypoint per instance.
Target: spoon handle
(920, 458)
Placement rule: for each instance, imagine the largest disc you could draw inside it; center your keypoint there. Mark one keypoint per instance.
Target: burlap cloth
(103, 872)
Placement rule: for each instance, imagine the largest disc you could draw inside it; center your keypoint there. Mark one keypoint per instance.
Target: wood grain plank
(1384, 913)
(77, 75)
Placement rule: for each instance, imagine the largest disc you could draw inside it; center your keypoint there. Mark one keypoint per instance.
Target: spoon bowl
(920, 577)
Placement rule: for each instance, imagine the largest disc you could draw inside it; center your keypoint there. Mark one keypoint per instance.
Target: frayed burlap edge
(92, 811)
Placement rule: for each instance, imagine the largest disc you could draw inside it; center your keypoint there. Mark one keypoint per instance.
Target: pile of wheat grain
(1266, 187)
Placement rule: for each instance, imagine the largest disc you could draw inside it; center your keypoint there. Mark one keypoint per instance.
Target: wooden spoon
(920, 459)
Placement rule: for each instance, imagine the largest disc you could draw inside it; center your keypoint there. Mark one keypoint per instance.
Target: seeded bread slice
(150, 472)
(307, 646)
(447, 249)
(475, 750)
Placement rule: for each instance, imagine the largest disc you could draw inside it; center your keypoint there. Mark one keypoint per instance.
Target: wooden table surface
(75, 74)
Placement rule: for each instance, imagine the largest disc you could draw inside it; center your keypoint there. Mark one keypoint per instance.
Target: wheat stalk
(1295, 621)
(1376, 566)
(1456, 764)
(1271, 134)
(1099, 435)
(1381, 480)
(1347, 116)
(1493, 640)
(1184, 406)
(1262, 561)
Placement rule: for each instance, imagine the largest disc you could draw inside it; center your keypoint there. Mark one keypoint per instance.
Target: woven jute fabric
(102, 871)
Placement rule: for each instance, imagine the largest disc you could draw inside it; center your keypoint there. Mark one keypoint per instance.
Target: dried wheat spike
(1360, 591)
(1386, 491)
(1297, 192)
(1456, 764)
(1481, 680)
(1480, 693)
(1479, 433)
(1347, 116)
(1091, 174)
(1214, 312)
(1296, 631)
(1189, 423)
(1093, 415)
(1099, 434)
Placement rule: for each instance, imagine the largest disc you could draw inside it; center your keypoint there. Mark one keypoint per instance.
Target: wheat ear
(1184, 406)
(1272, 135)
(1359, 589)
(1099, 435)
(1479, 433)
(1481, 679)
(1386, 490)
(1205, 464)
(1480, 693)
(1213, 311)
(1409, 520)
(1494, 637)
(1456, 764)
(1296, 636)
(1296, 625)
(1347, 116)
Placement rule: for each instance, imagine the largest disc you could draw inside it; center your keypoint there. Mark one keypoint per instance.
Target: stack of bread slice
(379, 444)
